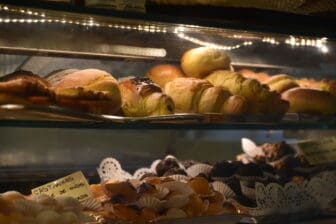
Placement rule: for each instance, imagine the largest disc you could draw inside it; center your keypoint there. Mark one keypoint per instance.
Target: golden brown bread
(259, 98)
(324, 84)
(24, 87)
(280, 83)
(193, 95)
(260, 76)
(310, 101)
(141, 97)
(201, 61)
(89, 90)
(164, 73)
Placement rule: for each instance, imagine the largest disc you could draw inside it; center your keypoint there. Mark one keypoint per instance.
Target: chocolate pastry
(234, 184)
(275, 151)
(145, 188)
(250, 169)
(147, 175)
(174, 171)
(188, 163)
(223, 169)
(165, 165)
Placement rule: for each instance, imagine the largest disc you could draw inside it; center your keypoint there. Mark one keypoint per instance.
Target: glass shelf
(177, 126)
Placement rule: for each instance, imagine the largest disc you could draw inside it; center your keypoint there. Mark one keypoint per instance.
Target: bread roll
(280, 83)
(259, 98)
(201, 61)
(324, 84)
(141, 98)
(164, 73)
(89, 90)
(193, 95)
(310, 101)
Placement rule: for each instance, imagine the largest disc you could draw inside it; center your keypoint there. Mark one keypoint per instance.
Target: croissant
(259, 98)
(141, 97)
(192, 95)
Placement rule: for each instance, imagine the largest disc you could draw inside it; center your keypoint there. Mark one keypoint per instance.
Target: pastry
(223, 169)
(164, 73)
(280, 83)
(201, 61)
(275, 151)
(260, 76)
(141, 97)
(165, 165)
(56, 76)
(259, 98)
(89, 90)
(120, 191)
(23, 87)
(193, 95)
(310, 101)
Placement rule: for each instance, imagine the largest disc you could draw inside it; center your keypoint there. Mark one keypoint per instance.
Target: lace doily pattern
(317, 193)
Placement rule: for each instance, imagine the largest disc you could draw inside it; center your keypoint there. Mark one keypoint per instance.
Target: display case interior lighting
(141, 28)
(91, 22)
(179, 31)
(23, 11)
(320, 43)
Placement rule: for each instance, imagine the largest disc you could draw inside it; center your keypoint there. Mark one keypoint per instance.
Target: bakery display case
(131, 117)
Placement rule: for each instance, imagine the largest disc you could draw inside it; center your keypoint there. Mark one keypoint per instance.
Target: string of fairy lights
(319, 43)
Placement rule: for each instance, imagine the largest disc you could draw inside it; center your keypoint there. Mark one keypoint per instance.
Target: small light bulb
(324, 49)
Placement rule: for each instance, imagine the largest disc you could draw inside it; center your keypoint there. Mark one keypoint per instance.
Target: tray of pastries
(203, 88)
(268, 183)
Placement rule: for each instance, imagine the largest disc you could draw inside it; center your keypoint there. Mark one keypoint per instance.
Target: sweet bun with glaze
(89, 90)
(201, 61)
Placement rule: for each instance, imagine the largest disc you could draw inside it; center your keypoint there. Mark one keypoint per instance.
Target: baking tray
(56, 113)
(44, 113)
(173, 118)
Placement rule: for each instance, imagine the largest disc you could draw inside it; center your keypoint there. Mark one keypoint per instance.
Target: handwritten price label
(319, 151)
(75, 185)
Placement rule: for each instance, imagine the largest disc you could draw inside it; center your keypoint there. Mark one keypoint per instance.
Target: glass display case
(42, 143)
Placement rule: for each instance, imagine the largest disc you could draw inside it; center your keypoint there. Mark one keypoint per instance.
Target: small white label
(319, 151)
(74, 185)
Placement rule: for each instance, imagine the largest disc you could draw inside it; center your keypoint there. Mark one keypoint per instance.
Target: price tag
(319, 151)
(75, 185)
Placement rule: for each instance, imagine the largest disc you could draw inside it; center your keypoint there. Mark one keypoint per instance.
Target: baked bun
(89, 90)
(163, 73)
(281, 82)
(193, 95)
(310, 101)
(55, 76)
(201, 61)
(24, 87)
(324, 84)
(141, 97)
